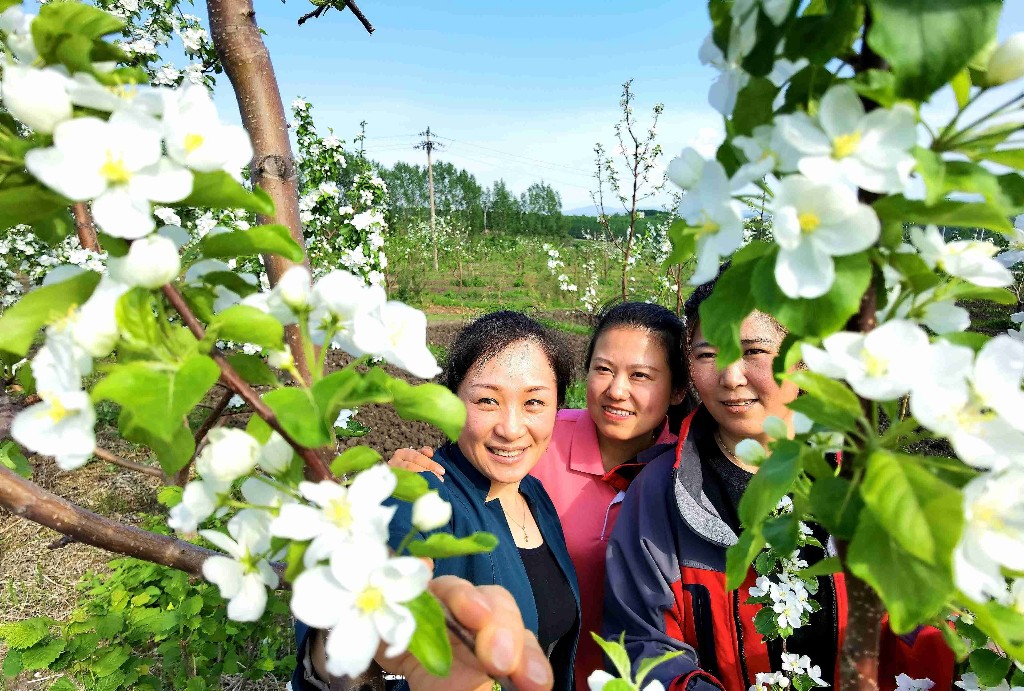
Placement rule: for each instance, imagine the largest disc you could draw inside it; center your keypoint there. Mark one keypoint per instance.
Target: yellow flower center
(339, 512)
(875, 366)
(57, 410)
(809, 221)
(115, 171)
(370, 600)
(193, 142)
(845, 144)
(708, 227)
(987, 516)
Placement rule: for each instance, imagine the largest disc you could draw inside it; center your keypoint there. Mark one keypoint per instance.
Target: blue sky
(522, 89)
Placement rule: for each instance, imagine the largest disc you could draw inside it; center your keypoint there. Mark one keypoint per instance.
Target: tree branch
(181, 477)
(85, 227)
(316, 465)
(108, 457)
(27, 500)
(318, 12)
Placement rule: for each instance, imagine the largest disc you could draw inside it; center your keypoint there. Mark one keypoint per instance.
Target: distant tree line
(458, 195)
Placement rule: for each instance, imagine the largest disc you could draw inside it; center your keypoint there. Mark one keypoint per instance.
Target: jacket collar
(585, 452)
(480, 482)
(694, 506)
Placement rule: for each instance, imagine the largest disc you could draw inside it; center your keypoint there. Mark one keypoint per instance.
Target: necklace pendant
(526, 537)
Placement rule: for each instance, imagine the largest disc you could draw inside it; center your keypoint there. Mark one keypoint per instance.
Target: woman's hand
(504, 647)
(418, 461)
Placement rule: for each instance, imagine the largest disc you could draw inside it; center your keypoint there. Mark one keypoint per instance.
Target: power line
(526, 158)
(521, 168)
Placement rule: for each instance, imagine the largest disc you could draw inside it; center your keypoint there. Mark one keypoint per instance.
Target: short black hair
(691, 308)
(483, 338)
(650, 317)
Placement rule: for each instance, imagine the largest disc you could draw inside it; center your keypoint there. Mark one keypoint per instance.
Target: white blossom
(405, 340)
(971, 260)
(117, 164)
(151, 262)
(814, 222)
(709, 206)
(993, 535)
(60, 425)
(230, 454)
(430, 512)
(845, 145)
(362, 602)
(37, 97)
(199, 500)
(905, 682)
(731, 78)
(1006, 63)
(244, 576)
(198, 139)
(17, 24)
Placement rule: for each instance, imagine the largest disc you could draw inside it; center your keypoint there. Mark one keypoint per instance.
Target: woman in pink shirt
(635, 377)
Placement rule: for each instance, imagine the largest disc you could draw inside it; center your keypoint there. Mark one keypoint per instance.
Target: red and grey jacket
(665, 589)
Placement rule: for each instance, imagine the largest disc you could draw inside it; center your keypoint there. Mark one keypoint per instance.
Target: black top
(724, 487)
(556, 607)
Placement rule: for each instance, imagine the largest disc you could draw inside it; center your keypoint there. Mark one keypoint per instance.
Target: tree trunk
(85, 227)
(246, 61)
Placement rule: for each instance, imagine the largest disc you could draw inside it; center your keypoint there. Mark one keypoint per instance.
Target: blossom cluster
(342, 203)
(25, 261)
(350, 584)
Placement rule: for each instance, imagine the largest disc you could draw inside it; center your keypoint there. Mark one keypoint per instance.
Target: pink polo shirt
(588, 504)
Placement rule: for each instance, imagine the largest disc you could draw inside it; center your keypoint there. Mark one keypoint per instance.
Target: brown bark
(108, 457)
(27, 500)
(85, 227)
(246, 61)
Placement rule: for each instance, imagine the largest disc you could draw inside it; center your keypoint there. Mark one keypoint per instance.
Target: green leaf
(230, 280)
(136, 319)
(218, 190)
(921, 512)
(1014, 158)
(442, 545)
(109, 625)
(782, 532)
(961, 84)
(173, 454)
(158, 395)
(111, 661)
(913, 591)
(616, 652)
(152, 620)
(431, 403)
(1003, 625)
(991, 667)
(828, 391)
(920, 276)
(411, 486)
(824, 567)
(754, 105)
(245, 324)
(429, 643)
(968, 291)
(821, 316)
(739, 557)
(943, 213)
(877, 85)
(927, 42)
(25, 633)
(820, 37)
(12, 666)
(299, 416)
(832, 418)
(809, 84)
(44, 305)
(54, 228)
(837, 505)
(648, 664)
(296, 551)
(772, 481)
(722, 314)
(82, 20)
(354, 460)
(253, 369)
(271, 239)
(684, 245)
(347, 388)
(42, 655)
(12, 458)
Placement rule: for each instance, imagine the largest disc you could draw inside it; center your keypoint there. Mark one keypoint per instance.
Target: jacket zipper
(739, 637)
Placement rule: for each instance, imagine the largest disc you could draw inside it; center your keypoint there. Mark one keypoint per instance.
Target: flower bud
(686, 168)
(151, 262)
(430, 512)
(230, 454)
(280, 359)
(38, 98)
(294, 287)
(275, 455)
(750, 452)
(1007, 62)
(775, 428)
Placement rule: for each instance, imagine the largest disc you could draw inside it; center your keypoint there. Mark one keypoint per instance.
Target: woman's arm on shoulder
(642, 582)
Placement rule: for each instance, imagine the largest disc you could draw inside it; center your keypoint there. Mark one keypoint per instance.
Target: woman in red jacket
(665, 570)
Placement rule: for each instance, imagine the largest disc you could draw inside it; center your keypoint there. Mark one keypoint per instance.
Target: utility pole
(430, 145)
(362, 138)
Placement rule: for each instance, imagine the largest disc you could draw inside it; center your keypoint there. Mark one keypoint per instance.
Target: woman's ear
(678, 396)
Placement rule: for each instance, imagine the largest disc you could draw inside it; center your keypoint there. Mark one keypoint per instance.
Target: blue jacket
(466, 488)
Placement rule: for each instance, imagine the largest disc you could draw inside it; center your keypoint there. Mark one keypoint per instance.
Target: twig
(85, 227)
(318, 12)
(218, 409)
(316, 465)
(105, 455)
(62, 541)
